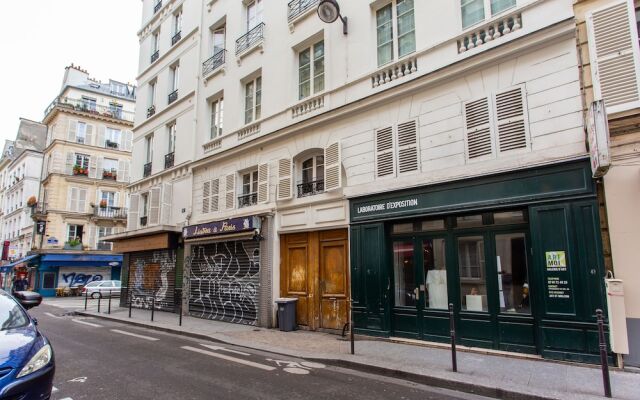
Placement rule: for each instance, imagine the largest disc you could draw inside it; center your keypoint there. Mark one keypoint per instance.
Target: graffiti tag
(75, 279)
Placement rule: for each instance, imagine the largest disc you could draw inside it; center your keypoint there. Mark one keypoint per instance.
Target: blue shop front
(62, 270)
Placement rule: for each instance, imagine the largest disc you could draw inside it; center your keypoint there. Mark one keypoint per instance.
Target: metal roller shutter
(153, 274)
(225, 281)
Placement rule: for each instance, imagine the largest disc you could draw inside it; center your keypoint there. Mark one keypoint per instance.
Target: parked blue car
(27, 363)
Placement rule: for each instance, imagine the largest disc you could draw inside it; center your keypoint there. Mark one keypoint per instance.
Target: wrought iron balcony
(147, 170)
(155, 56)
(214, 62)
(250, 39)
(173, 96)
(299, 7)
(311, 188)
(143, 221)
(110, 212)
(176, 38)
(111, 145)
(89, 107)
(151, 111)
(169, 160)
(157, 7)
(247, 200)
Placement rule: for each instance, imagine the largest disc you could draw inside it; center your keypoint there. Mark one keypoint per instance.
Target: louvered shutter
(91, 242)
(100, 137)
(384, 152)
(93, 167)
(99, 167)
(332, 167)
(132, 216)
(128, 135)
(263, 183)
(215, 195)
(167, 198)
(72, 199)
(230, 192)
(206, 197)
(122, 171)
(73, 129)
(477, 124)
(71, 161)
(82, 200)
(510, 120)
(285, 179)
(89, 135)
(614, 55)
(116, 200)
(154, 206)
(408, 147)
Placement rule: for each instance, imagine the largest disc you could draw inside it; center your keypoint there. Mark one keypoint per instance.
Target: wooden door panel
(333, 313)
(297, 271)
(294, 278)
(333, 280)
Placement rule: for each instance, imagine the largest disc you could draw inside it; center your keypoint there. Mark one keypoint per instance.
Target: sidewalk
(484, 374)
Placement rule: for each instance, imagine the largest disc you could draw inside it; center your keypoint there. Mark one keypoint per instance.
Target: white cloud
(38, 38)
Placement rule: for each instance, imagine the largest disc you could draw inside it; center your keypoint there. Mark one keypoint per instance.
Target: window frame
(395, 36)
(258, 6)
(216, 117)
(75, 229)
(85, 160)
(311, 65)
(81, 133)
(113, 135)
(315, 165)
(252, 184)
(172, 129)
(253, 112)
(148, 142)
(487, 10)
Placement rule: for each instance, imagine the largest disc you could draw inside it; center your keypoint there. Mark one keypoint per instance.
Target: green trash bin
(287, 314)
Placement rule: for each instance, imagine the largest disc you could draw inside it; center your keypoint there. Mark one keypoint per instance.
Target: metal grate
(176, 38)
(250, 39)
(173, 96)
(299, 7)
(152, 274)
(169, 160)
(214, 62)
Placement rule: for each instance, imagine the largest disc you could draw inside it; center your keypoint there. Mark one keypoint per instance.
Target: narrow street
(100, 360)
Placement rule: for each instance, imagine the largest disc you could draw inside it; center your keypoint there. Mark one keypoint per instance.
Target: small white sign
(598, 135)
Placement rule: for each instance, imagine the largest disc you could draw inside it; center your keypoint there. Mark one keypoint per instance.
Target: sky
(39, 38)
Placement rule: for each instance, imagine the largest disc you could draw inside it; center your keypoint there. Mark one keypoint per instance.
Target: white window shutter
(122, 167)
(510, 120)
(614, 55)
(116, 200)
(167, 197)
(206, 197)
(99, 167)
(263, 183)
(154, 206)
(72, 199)
(285, 179)
(385, 164)
(477, 126)
(82, 200)
(132, 215)
(215, 195)
(89, 135)
(93, 167)
(407, 135)
(100, 136)
(91, 242)
(230, 193)
(71, 161)
(73, 128)
(332, 167)
(128, 135)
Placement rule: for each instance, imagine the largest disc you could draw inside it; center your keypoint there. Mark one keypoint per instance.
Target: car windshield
(11, 314)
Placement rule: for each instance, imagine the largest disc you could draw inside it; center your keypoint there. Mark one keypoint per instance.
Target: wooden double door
(314, 268)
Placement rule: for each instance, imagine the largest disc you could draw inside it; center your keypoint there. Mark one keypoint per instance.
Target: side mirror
(28, 299)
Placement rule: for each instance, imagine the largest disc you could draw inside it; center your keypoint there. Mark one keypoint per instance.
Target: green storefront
(519, 256)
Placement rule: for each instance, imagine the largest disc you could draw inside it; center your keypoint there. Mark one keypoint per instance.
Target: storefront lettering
(387, 206)
(221, 227)
(558, 288)
(556, 261)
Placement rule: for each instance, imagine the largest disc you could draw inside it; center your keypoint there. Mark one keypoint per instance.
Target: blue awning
(81, 260)
(8, 267)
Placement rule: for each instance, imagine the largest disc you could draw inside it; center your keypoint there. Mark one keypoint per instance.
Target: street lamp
(329, 12)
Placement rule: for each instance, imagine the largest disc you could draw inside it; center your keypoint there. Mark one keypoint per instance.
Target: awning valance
(8, 267)
(81, 260)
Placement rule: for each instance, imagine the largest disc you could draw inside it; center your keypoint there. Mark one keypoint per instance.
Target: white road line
(54, 389)
(229, 358)
(218, 348)
(86, 323)
(152, 339)
(67, 398)
(52, 316)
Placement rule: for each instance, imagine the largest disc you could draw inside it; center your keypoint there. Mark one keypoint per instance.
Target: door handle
(416, 292)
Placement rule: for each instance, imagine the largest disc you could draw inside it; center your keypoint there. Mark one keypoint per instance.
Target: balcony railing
(143, 221)
(110, 212)
(176, 38)
(104, 246)
(147, 170)
(80, 171)
(250, 39)
(311, 188)
(111, 145)
(299, 7)
(155, 56)
(157, 7)
(89, 107)
(151, 111)
(248, 200)
(110, 174)
(169, 160)
(173, 96)
(214, 62)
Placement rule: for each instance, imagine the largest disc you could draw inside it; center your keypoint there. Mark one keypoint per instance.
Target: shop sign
(598, 135)
(558, 285)
(41, 227)
(233, 225)
(52, 240)
(386, 206)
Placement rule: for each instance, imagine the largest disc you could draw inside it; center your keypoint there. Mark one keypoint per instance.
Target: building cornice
(66, 143)
(51, 115)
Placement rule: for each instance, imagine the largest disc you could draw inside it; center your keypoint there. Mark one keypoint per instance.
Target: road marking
(52, 316)
(86, 323)
(218, 348)
(54, 389)
(67, 398)
(229, 358)
(81, 379)
(152, 339)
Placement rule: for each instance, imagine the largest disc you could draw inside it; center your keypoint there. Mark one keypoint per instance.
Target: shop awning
(8, 267)
(81, 260)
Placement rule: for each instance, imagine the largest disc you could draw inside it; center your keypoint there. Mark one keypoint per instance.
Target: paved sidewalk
(485, 374)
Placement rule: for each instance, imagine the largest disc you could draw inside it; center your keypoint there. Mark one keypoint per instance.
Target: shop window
(469, 221)
(513, 274)
(404, 274)
(49, 280)
(509, 217)
(433, 225)
(435, 272)
(473, 287)
(403, 228)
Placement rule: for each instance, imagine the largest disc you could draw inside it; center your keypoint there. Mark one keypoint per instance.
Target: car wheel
(95, 295)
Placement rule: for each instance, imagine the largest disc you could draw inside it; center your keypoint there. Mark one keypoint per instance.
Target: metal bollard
(153, 306)
(109, 310)
(99, 298)
(603, 355)
(180, 318)
(452, 327)
(351, 336)
(86, 299)
(130, 302)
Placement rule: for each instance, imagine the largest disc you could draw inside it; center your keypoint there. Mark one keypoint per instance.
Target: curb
(443, 383)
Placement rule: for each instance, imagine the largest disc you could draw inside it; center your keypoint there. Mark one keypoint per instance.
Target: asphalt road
(103, 360)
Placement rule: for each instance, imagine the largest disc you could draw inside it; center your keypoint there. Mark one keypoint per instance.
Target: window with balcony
(254, 14)
(475, 11)
(148, 149)
(88, 104)
(157, 6)
(155, 46)
(169, 158)
(312, 176)
(395, 40)
(112, 138)
(104, 231)
(218, 46)
(177, 27)
(81, 167)
(151, 109)
(74, 232)
(110, 169)
(253, 100)
(217, 118)
(144, 209)
(311, 70)
(107, 200)
(249, 189)
(81, 132)
(115, 110)
(174, 75)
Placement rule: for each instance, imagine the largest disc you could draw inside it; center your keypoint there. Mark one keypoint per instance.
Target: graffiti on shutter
(224, 281)
(478, 128)
(152, 274)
